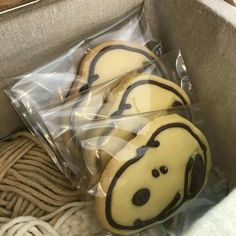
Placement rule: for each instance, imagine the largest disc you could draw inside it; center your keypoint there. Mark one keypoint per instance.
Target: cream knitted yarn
(30, 183)
(72, 219)
(38, 196)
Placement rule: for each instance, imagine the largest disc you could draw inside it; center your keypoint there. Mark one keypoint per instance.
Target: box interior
(204, 31)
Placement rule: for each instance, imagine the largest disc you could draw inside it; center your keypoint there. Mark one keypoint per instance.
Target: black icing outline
(93, 77)
(124, 106)
(172, 205)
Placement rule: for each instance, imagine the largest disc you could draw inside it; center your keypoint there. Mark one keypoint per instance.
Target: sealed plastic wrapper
(95, 60)
(157, 85)
(103, 55)
(56, 123)
(160, 84)
(102, 139)
(153, 170)
(148, 174)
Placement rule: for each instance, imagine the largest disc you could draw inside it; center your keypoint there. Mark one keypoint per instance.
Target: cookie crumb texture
(155, 174)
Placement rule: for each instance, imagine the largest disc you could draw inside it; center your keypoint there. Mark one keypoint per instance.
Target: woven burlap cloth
(219, 221)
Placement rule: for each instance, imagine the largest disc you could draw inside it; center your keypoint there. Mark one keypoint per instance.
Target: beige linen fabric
(219, 221)
(206, 32)
(32, 36)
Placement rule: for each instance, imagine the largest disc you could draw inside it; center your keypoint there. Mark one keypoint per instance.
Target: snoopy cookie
(109, 60)
(156, 173)
(139, 93)
(136, 93)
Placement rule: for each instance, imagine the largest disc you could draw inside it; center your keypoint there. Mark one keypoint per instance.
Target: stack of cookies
(145, 167)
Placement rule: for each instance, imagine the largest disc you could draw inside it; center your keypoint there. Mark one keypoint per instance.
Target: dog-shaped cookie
(162, 168)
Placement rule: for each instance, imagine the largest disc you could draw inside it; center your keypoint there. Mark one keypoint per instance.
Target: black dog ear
(196, 174)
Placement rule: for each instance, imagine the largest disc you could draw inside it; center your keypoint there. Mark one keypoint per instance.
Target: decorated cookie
(109, 60)
(139, 93)
(103, 142)
(162, 168)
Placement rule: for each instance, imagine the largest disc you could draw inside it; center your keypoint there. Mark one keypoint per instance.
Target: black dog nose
(141, 197)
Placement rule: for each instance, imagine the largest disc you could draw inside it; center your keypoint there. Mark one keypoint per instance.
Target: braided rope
(74, 219)
(30, 183)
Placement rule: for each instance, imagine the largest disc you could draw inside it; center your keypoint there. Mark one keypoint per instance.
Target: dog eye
(164, 170)
(155, 173)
